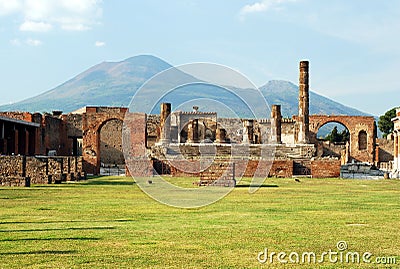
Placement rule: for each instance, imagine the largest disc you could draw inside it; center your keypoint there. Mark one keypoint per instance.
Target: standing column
(395, 151)
(303, 124)
(193, 131)
(248, 132)
(276, 124)
(165, 123)
(398, 152)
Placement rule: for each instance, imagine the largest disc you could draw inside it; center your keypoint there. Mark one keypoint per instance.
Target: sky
(353, 46)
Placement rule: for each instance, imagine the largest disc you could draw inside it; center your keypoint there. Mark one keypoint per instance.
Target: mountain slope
(115, 83)
(286, 94)
(105, 84)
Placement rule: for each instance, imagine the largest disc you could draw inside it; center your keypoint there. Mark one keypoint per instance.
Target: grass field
(108, 222)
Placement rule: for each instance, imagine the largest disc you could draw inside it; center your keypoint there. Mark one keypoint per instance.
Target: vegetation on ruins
(385, 123)
(108, 222)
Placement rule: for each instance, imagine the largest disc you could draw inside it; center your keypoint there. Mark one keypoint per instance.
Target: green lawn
(108, 222)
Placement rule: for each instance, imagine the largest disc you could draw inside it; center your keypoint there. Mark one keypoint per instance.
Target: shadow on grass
(108, 182)
(45, 252)
(64, 221)
(57, 229)
(50, 239)
(254, 186)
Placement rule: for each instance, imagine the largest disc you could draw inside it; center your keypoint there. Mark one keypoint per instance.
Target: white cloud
(262, 6)
(100, 44)
(9, 6)
(32, 26)
(71, 15)
(33, 42)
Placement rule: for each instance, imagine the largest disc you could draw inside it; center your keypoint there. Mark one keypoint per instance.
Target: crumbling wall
(288, 131)
(25, 116)
(54, 135)
(152, 128)
(233, 128)
(17, 170)
(385, 152)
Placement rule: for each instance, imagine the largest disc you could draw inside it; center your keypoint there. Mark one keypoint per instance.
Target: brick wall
(325, 168)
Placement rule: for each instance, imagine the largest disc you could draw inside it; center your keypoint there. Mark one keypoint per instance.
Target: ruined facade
(176, 142)
(396, 149)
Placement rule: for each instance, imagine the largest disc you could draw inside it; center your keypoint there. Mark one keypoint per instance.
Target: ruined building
(175, 142)
(396, 150)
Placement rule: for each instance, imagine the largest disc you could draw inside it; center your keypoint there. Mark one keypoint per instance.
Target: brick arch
(355, 125)
(110, 141)
(93, 119)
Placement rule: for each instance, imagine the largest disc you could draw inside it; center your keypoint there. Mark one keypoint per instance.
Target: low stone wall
(243, 168)
(325, 168)
(22, 170)
(360, 171)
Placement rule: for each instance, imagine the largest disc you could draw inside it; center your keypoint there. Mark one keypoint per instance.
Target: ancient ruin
(396, 149)
(175, 142)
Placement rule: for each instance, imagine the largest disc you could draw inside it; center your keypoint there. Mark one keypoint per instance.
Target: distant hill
(286, 94)
(115, 83)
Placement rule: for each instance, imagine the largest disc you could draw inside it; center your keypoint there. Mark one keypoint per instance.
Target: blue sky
(353, 46)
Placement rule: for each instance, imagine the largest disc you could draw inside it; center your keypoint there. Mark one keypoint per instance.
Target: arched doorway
(333, 140)
(361, 147)
(112, 160)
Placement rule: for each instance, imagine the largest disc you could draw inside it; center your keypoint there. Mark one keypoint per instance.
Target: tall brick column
(303, 121)
(165, 123)
(135, 151)
(276, 124)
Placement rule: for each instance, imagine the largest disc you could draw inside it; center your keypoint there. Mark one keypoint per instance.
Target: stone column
(248, 132)
(395, 151)
(165, 123)
(276, 124)
(303, 121)
(398, 152)
(220, 135)
(193, 131)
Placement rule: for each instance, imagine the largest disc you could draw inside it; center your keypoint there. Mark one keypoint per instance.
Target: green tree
(385, 123)
(335, 137)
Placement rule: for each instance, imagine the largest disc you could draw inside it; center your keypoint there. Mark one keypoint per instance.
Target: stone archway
(364, 125)
(110, 135)
(93, 120)
(336, 145)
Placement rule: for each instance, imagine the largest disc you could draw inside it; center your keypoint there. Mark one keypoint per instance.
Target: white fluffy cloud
(43, 15)
(262, 6)
(100, 44)
(9, 6)
(33, 26)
